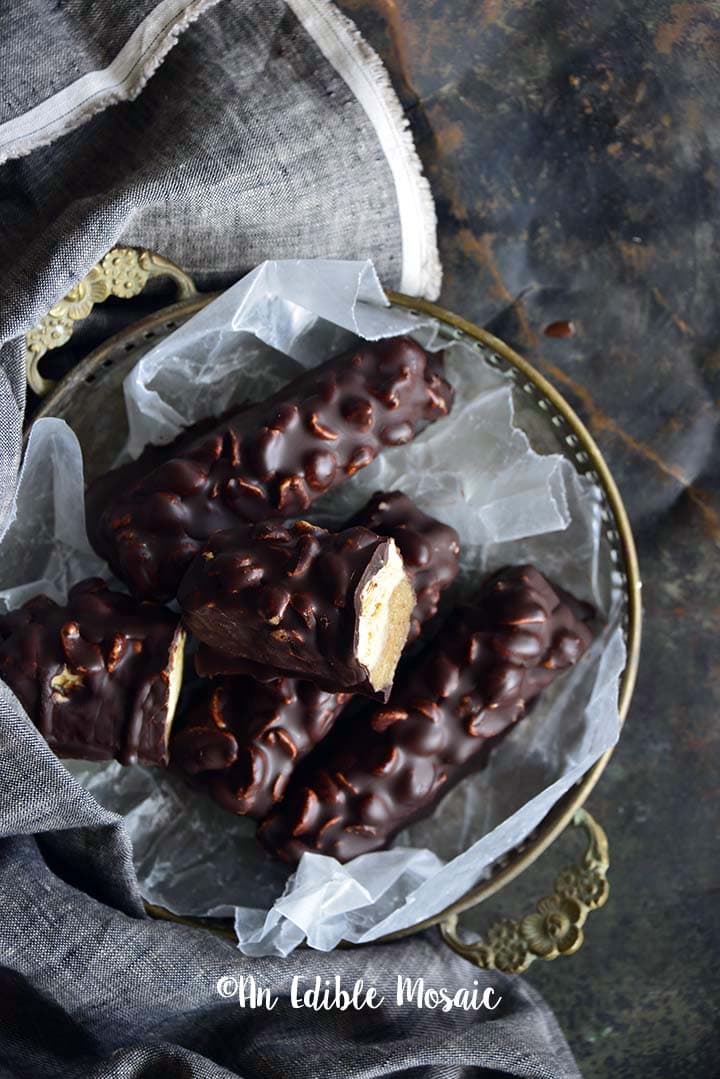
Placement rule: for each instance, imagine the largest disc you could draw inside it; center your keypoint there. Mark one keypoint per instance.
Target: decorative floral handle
(555, 928)
(123, 272)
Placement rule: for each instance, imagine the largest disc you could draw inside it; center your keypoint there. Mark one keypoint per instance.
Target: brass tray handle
(123, 272)
(556, 926)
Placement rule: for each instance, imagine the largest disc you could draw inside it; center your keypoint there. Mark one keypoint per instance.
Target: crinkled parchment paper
(509, 499)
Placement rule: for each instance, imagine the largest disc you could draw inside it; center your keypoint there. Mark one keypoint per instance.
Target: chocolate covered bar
(389, 767)
(100, 676)
(429, 549)
(271, 460)
(253, 737)
(332, 607)
(243, 738)
(104, 491)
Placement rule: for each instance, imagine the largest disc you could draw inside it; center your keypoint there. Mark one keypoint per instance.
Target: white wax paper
(510, 500)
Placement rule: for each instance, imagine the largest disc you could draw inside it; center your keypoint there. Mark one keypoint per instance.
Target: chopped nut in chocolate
(332, 607)
(232, 715)
(271, 460)
(243, 738)
(99, 677)
(373, 776)
(430, 552)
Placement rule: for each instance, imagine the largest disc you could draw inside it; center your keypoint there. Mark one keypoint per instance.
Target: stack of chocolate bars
(335, 701)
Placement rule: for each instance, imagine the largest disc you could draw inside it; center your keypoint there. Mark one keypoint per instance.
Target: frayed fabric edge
(69, 116)
(342, 44)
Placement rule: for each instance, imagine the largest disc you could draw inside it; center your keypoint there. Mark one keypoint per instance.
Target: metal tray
(94, 388)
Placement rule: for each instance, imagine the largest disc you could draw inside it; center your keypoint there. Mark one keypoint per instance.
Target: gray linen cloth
(246, 143)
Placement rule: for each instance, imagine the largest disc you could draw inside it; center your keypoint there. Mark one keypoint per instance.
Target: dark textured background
(573, 151)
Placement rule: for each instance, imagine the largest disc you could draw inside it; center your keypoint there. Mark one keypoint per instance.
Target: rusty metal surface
(573, 151)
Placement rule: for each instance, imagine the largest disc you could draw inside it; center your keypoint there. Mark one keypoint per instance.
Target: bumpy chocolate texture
(243, 738)
(272, 460)
(252, 737)
(103, 492)
(294, 599)
(100, 676)
(373, 776)
(429, 549)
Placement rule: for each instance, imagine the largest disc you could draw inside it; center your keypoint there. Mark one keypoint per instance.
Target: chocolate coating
(287, 598)
(271, 460)
(243, 738)
(429, 549)
(104, 491)
(211, 663)
(95, 675)
(303, 713)
(387, 768)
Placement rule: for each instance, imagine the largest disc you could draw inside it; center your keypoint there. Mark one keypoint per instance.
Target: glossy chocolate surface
(429, 550)
(272, 727)
(375, 775)
(243, 738)
(94, 675)
(287, 598)
(272, 460)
